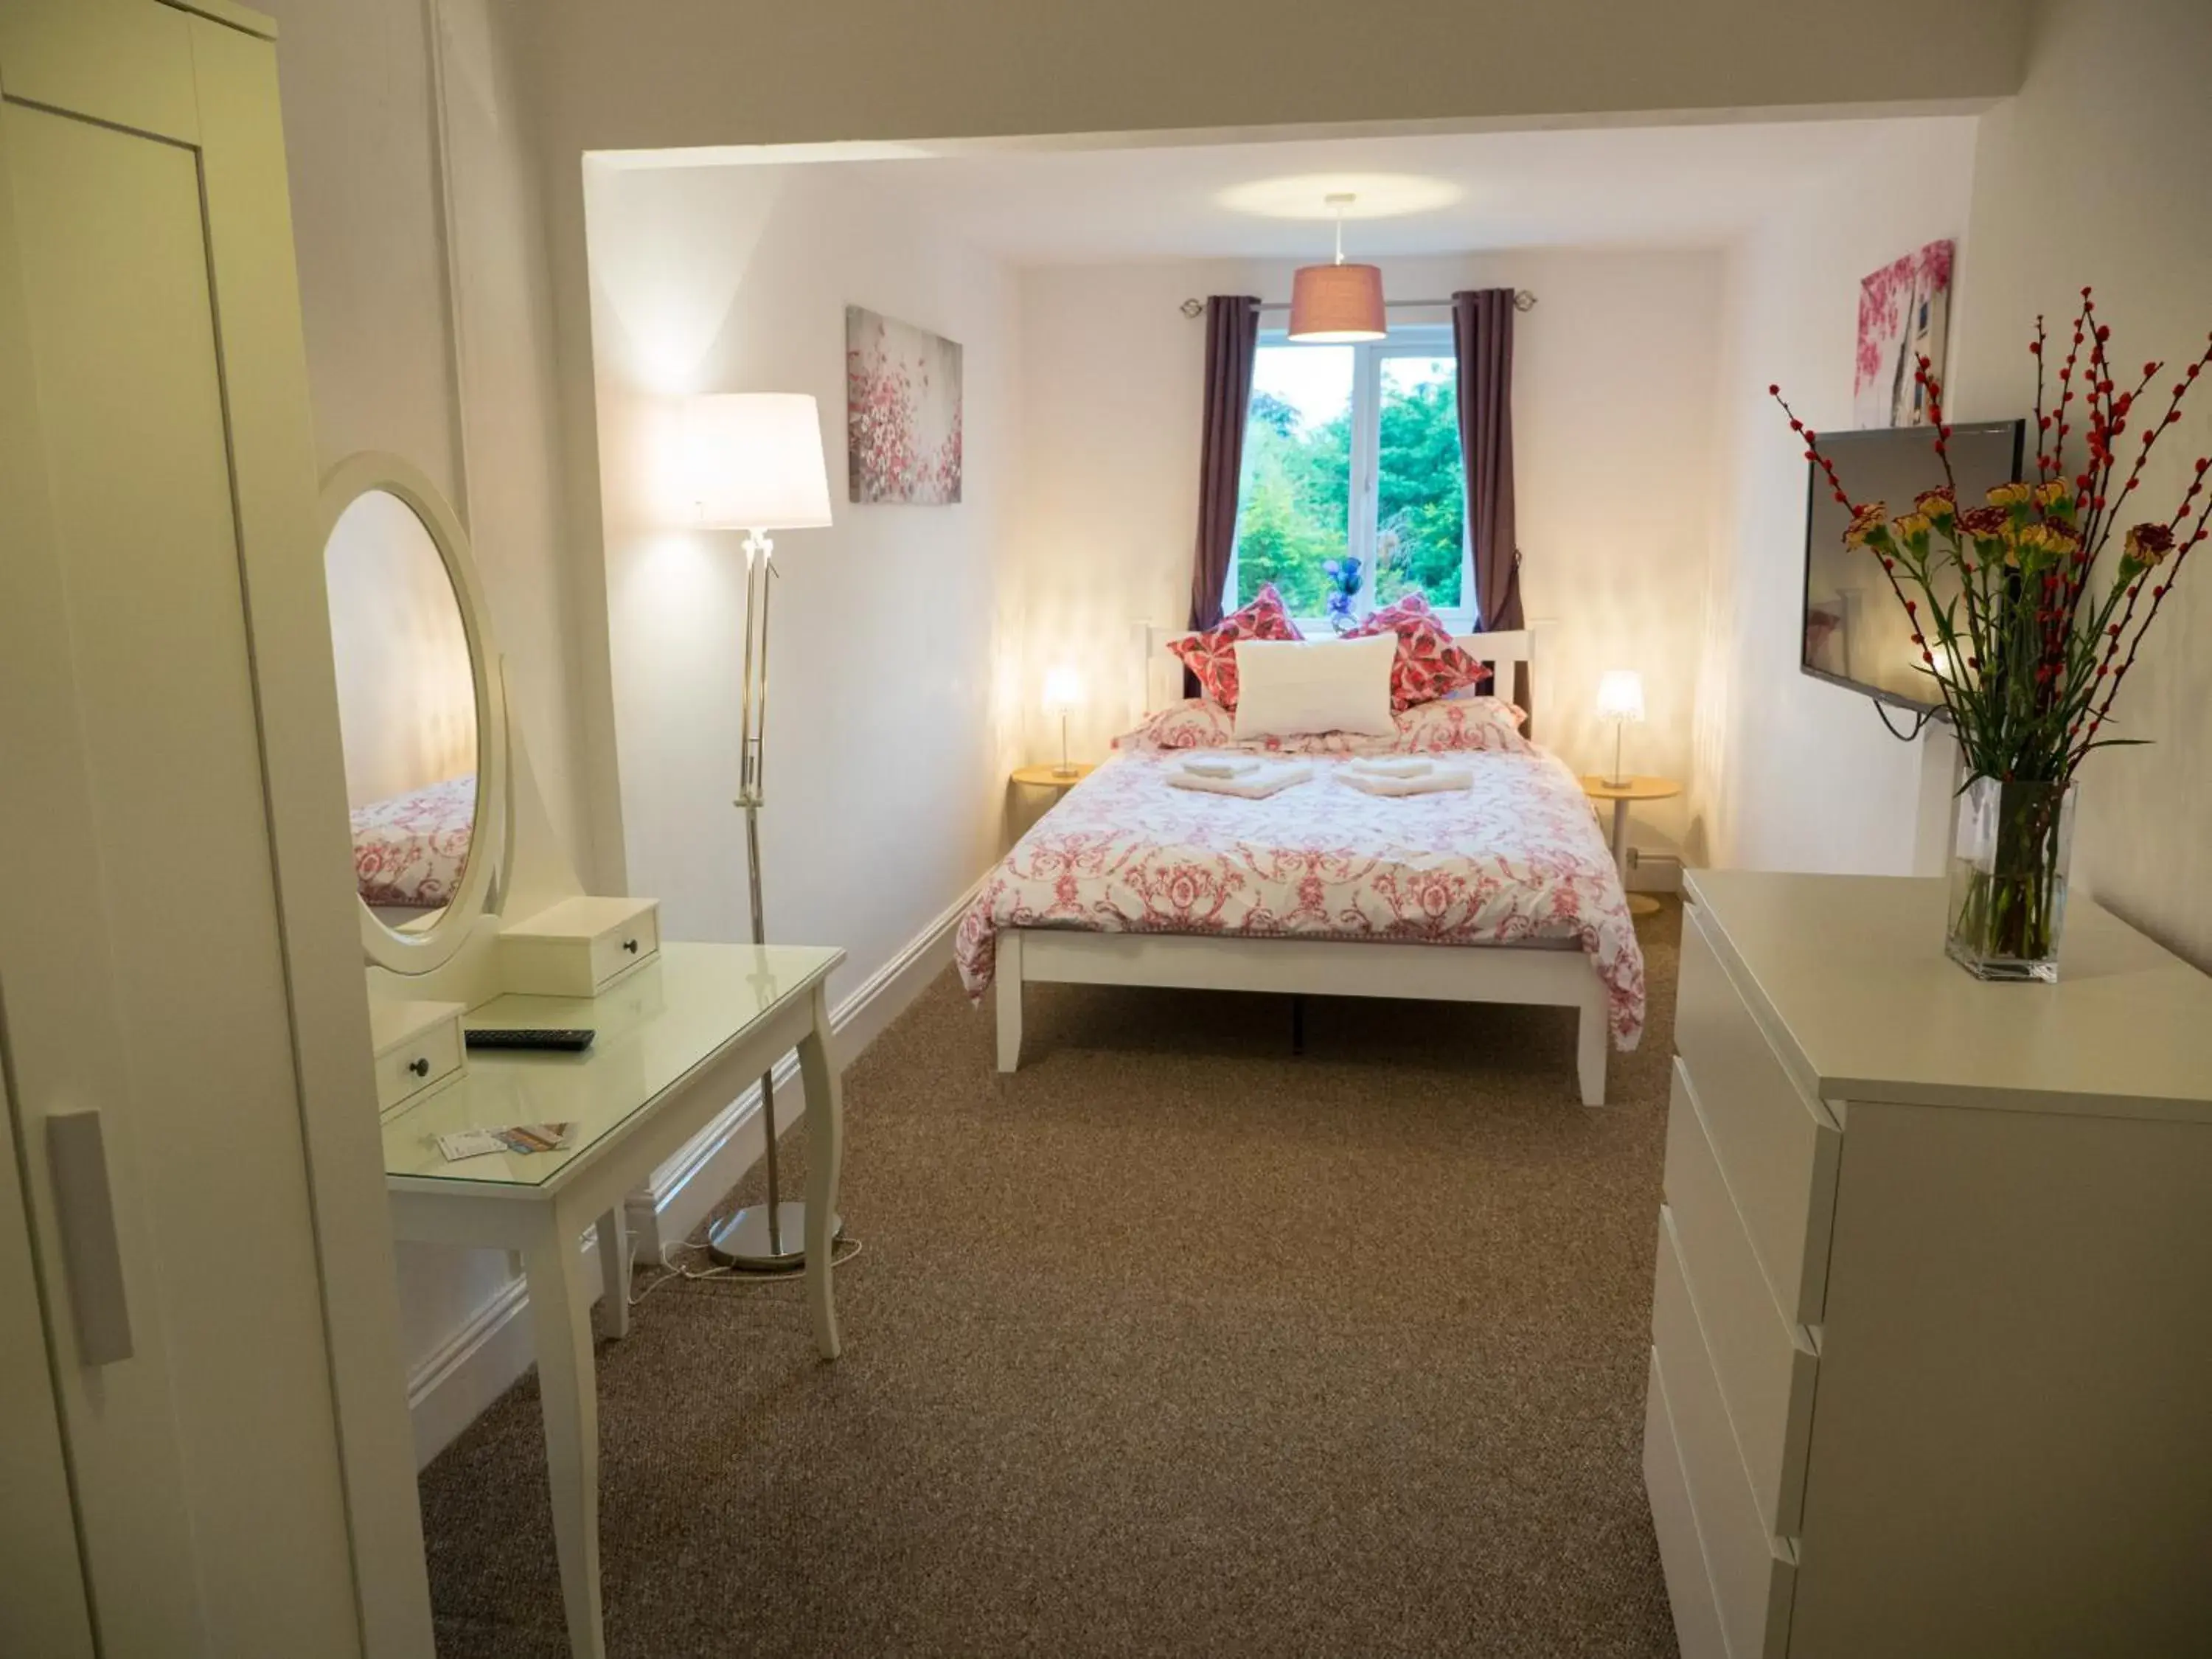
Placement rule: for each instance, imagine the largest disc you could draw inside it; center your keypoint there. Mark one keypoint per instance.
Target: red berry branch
(2033, 656)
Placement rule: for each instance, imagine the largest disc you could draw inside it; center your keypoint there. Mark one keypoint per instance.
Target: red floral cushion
(1211, 655)
(1429, 665)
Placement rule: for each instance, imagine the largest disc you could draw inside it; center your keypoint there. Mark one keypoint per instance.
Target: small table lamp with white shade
(1063, 691)
(1620, 700)
(755, 464)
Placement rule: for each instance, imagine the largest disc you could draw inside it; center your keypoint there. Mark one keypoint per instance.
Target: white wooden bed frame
(1551, 975)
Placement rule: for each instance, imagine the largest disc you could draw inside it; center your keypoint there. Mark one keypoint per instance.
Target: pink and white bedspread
(1517, 859)
(409, 851)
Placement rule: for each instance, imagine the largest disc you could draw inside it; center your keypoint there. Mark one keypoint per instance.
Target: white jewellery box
(418, 1045)
(579, 947)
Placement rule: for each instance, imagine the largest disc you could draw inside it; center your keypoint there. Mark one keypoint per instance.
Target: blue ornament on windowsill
(1344, 591)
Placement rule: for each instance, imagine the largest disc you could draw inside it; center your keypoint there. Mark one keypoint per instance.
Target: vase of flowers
(2027, 628)
(2010, 845)
(1343, 577)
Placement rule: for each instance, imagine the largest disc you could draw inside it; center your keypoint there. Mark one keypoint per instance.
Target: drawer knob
(630, 945)
(420, 1065)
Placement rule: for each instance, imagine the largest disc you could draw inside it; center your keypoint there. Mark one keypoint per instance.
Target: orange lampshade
(1337, 303)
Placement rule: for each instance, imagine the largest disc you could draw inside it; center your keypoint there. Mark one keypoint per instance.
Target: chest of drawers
(1931, 1368)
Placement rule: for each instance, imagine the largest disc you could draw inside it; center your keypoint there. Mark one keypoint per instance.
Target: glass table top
(653, 1026)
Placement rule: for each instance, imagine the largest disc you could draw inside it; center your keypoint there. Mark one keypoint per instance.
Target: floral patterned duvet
(409, 852)
(1517, 858)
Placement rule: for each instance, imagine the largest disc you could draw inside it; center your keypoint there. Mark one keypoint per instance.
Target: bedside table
(1046, 775)
(1621, 794)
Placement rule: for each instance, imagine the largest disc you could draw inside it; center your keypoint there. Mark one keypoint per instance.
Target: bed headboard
(1157, 672)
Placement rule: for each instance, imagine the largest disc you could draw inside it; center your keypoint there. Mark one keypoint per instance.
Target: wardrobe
(204, 1446)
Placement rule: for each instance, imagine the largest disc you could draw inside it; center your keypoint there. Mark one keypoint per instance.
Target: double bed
(1501, 892)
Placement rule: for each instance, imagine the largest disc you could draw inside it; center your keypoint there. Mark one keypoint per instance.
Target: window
(1351, 452)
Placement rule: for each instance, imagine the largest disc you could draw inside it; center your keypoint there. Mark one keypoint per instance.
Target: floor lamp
(756, 465)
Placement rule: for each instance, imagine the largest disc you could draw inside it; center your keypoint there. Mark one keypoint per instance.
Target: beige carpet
(1174, 1343)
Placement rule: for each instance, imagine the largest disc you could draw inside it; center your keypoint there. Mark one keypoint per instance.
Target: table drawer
(1777, 1149)
(1681, 1552)
(622, 948)
(1763, 1363)
(579, 947)
(426, 1059)
(1753, 1576)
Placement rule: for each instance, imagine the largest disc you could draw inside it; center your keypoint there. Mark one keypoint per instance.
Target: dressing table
(679, 1037)
(465, 895)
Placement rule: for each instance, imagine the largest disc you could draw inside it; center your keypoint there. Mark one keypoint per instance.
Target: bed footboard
(1560, 977)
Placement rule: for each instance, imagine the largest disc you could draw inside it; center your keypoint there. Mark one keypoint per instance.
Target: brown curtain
(1232, 340)
(1482, 336)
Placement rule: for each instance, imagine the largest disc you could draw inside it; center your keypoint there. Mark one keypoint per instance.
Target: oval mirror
(413, 701)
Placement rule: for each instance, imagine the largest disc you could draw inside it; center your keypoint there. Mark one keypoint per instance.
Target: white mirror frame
(433, 948)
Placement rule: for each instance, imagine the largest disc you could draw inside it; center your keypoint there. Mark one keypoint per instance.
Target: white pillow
(1287, 688)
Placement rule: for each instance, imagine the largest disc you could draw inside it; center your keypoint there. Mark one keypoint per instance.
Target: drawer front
(1777, 1149)
(622, 948)
(424, 1063)
(1763, 1363)
(1753, 1576)
(1681, 1552)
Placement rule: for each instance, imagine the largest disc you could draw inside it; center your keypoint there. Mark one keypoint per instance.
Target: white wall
(682, 72)
(1793, 773)
(887, 765)
(2114, 122)
(361, 137)
(1612, 399)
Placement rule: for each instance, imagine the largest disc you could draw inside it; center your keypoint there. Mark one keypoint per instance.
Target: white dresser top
(1849, 977)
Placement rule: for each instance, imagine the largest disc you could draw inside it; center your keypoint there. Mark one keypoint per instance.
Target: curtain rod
(1522, 300)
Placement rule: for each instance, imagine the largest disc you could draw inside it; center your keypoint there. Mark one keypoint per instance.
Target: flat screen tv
(1857, 635)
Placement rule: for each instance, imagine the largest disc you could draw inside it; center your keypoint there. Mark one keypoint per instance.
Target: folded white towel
(1256, 786)
(1391, 766)
(1433, 781)
(1222, 766)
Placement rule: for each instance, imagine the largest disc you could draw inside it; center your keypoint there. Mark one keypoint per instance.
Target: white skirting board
(458, 1380)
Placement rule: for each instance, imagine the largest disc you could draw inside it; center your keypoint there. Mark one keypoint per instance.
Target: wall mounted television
(1856, 634)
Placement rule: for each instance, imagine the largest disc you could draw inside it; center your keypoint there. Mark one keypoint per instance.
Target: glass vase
(2010, 845)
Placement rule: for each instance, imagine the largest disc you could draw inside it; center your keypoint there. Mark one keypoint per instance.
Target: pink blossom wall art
(902, 411)
(1904, 311)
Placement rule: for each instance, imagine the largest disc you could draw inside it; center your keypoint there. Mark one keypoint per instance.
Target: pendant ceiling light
(1337, 304)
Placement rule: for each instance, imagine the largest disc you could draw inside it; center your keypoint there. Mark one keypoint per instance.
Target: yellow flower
(1936, 504)
(2011, 495)
(1912, 528)
(1867, 518)
(2039, 545)
(2055, 493)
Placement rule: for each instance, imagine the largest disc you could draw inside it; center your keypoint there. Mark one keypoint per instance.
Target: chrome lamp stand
(768, 1237)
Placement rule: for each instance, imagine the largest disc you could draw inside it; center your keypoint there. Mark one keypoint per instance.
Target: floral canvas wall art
(1905, 309)
(902, 411)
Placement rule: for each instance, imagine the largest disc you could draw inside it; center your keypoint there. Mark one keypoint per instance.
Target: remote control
(528, 1036)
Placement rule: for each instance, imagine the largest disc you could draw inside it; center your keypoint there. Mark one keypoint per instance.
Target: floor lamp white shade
(753, 462)
(1620, 700)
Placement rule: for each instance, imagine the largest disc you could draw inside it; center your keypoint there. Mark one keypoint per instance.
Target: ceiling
(1671, 187)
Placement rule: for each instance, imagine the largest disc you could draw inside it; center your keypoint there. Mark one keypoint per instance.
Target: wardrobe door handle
(630, 945)
(420, 1065)
(76, 1158)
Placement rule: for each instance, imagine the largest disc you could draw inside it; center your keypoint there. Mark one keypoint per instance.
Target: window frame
(1426, 340)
